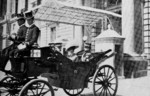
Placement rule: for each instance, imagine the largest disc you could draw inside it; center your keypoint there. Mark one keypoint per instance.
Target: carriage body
(58, 69)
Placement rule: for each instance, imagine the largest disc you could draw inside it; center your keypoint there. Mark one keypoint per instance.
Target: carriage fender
(50, 75)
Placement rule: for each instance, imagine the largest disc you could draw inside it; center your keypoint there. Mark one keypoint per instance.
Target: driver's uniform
(4, 54)
(31, 37)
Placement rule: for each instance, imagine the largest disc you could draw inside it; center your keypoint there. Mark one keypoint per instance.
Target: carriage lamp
(35, 53)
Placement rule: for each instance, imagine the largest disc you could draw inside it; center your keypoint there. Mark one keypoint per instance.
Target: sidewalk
(134, 87)
(126, 87)
(129, 87)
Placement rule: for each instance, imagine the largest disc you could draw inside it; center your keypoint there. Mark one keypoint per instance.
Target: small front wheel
(105, 82)
(9, 86)
(37, 87)
(73, 92)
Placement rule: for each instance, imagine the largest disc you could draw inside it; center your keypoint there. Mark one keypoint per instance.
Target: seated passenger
(59, 44)
(70, 48)
(87, 53)
(71, 55)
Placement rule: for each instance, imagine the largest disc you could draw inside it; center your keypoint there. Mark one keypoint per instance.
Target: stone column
(132, 27)
(132, 31)
(128, 26)
(78, 31)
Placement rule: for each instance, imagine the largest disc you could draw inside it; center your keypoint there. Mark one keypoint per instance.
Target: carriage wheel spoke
(44, 92)
(101, 92)
(37, 89)
(111, 88)
(33, 92)
(102, 75)
(109, 92)
(69, 90)
(106, 92)
(111, 79)
(42, 88)
(99, 88)
(108, 73)
(99, 78)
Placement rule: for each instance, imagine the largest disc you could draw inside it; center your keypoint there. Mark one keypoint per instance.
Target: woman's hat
(71, 45)
(20, 16)
(29, 15)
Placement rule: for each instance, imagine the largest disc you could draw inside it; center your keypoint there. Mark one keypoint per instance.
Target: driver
(16, 38)
(31, 38)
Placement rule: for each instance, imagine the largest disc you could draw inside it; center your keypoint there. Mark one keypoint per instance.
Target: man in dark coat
(31, 36)
(16, 38)
(32, 32)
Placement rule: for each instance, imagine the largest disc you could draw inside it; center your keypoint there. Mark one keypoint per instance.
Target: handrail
(105, 58)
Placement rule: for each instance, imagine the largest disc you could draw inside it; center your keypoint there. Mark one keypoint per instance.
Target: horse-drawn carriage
(58, 70)
(73, 77)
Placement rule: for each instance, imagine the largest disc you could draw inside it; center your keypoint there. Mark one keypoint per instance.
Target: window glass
(146, 39)
(146, 27)
(146, 50)
(146, 33)
(146, 16)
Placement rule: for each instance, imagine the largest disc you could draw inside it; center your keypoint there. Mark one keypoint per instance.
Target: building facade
(51, 31)
(146, 23)
(134, 24)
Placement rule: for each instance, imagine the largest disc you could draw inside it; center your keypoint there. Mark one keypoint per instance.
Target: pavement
(130, 87)
(126, 87)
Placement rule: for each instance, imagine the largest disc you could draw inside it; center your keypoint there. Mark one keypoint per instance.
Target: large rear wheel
(105, 82)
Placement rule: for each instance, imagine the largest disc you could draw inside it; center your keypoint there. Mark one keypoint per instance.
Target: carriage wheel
(37, 87)
(9, 90)
(73, 92)
(105, 82)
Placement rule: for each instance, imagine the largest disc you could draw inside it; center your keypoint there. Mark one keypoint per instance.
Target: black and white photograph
(74, 47)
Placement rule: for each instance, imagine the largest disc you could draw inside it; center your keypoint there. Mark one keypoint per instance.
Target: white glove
(22, 46)
(13, 35)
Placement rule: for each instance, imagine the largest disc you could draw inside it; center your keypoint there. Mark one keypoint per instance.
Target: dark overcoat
(32, 35)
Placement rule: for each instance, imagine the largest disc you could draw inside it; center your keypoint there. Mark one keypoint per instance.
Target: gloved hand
(13, 36)
(22, 46)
